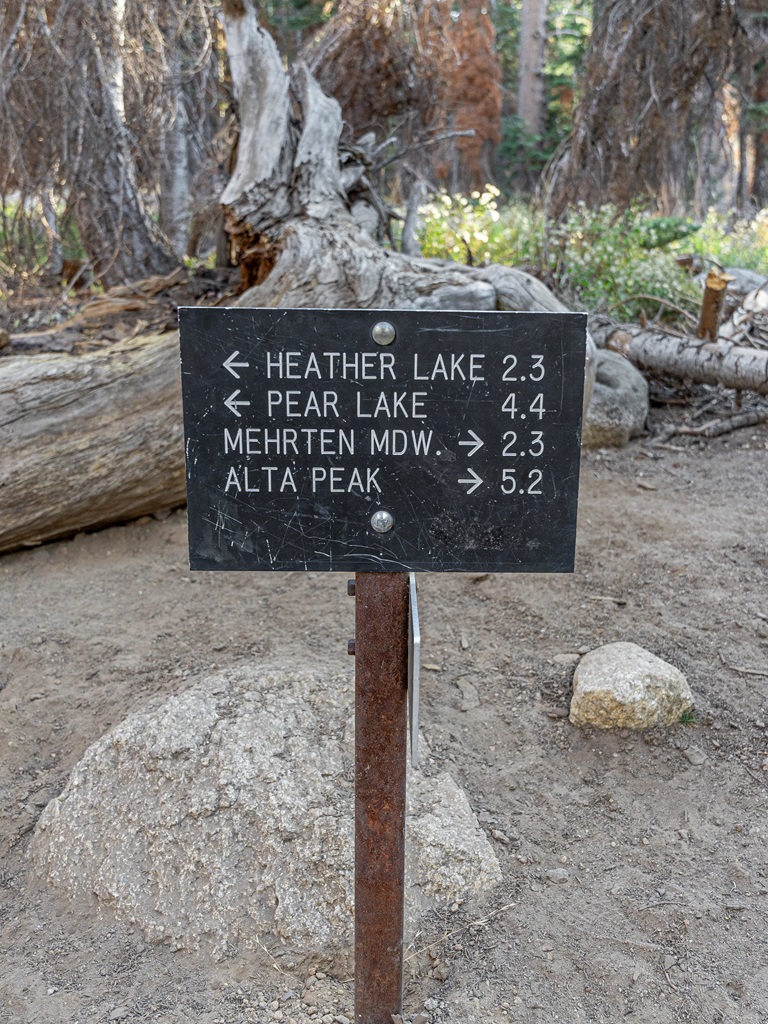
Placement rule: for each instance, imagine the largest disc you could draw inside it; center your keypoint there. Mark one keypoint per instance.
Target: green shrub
(619, 262)
(472, 229)
(611, 261)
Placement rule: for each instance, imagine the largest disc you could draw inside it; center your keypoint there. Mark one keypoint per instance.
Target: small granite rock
(623, 686)
(619, 405)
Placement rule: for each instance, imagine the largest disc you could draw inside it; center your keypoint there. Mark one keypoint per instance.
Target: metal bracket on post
(414, 668)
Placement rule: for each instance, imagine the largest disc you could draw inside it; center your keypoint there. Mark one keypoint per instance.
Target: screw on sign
(382, 443)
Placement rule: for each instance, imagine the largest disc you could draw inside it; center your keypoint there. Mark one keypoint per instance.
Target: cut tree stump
(90, 439)
(715, 288)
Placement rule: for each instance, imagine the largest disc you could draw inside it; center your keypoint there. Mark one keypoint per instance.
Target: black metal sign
(365, 440)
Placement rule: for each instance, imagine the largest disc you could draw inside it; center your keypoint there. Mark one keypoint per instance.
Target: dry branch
(718, 427)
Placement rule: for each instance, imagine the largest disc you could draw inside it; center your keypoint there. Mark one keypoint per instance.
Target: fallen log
(687, 358)
(90, 439)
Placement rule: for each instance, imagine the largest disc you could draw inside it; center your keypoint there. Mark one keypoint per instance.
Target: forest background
(597, 144)
(616, 151)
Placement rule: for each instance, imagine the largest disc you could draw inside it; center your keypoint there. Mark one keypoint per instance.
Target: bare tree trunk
(761, 139)
(115, 228)
(742, 179)
(410, 242)
(118, 234)
(647, 61)
(55, 261)
(293, 202)
(175, 176)
(531, 98)
(709, 129)
(174, 210)
(712, 304)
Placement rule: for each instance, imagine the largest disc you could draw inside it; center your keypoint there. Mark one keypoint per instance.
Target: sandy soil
(661, 837)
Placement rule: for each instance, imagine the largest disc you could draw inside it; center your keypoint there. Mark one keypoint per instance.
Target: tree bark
(304, 203)
(175, 175)
(89, 440)
(712, 304)
(55, 262)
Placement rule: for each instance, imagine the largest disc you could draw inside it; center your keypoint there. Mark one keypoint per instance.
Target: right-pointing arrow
(474, 445)
(475, 480)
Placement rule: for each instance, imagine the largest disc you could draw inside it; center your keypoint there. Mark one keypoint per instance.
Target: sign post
(381, 731)
(381, 443)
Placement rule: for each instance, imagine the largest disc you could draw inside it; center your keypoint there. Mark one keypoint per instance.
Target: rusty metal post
(381, 725)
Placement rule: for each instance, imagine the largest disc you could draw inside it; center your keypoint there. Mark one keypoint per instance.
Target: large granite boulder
(222, 820)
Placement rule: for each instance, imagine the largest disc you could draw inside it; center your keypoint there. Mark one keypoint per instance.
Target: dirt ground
(659, 911)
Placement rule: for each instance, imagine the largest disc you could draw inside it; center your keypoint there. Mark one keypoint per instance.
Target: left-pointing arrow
(232, 403)
(473, 479)
(230, 364)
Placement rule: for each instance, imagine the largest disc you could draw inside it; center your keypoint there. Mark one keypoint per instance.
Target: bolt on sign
(382, 441)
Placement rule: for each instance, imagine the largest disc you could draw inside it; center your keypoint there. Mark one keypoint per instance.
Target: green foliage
(742, 244)
(570, 26)
(292, 21)
(472, 229)
(688, 718)
(24, 244)
(522, 155)
(654, 232)
(608, 261)
(623, 263)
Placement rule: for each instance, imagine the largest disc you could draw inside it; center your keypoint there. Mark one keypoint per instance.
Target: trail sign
(374, 441)
(379, 442)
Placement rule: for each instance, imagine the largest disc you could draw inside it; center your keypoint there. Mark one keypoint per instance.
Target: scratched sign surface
(300, 427)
